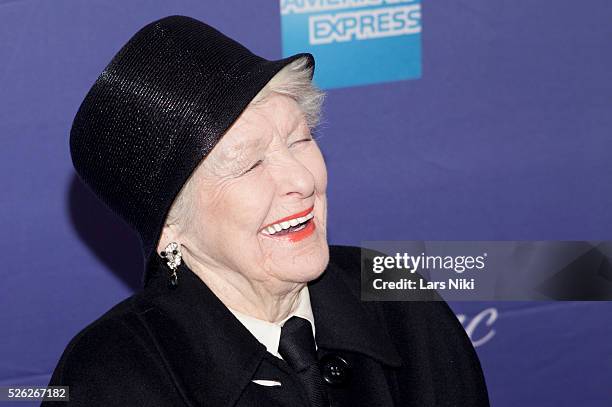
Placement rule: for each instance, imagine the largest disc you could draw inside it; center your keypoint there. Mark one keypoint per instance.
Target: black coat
(183, 347)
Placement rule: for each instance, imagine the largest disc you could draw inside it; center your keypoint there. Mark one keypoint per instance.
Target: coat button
(335, 370)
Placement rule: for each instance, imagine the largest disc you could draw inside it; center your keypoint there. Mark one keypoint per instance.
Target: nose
(293, 178)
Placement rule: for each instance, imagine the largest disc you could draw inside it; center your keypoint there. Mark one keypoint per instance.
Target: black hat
(157, 110)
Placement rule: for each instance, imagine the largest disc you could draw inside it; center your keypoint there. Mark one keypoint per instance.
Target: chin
(312, 266)
(304, 267)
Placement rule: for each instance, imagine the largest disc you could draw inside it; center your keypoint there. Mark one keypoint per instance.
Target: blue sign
(355, 42)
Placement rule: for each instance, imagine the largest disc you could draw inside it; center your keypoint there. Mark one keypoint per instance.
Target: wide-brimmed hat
(158, 108)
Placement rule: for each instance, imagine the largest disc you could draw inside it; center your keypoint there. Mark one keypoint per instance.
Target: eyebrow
(297, 122)
(233, 158)
(245, 147)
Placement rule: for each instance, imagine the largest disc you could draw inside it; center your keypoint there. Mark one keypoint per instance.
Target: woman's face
(266, 169)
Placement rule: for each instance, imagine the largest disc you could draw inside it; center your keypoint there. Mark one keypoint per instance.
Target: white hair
(292, 80)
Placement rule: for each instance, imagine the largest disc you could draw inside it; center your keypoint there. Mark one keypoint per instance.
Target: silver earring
(173, 256)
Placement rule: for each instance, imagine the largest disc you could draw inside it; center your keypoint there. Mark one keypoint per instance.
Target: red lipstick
(301, 234)
(294, 233)
(294, 216)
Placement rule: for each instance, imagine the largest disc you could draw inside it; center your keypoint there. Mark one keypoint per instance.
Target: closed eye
(253, 166)
(299, 141)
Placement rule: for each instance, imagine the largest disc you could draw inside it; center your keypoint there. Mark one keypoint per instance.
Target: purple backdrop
(507, 135)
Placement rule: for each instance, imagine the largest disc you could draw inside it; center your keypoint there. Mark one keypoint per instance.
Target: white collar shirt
(268, 333)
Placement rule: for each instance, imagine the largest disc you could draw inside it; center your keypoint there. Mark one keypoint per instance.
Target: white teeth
(277, 227)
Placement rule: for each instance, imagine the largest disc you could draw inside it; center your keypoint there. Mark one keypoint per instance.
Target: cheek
(241, 206)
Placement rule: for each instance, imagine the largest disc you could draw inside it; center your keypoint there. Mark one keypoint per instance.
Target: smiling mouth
(290, 224)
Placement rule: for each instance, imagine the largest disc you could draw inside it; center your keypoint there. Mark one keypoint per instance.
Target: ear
(168, 235)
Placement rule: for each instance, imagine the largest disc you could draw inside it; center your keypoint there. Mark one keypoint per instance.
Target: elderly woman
(205, 149)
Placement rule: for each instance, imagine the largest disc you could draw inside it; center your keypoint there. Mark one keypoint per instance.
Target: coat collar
(213, 357)
(269, 333)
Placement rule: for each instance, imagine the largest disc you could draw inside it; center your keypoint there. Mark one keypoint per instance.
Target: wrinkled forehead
(255, 127)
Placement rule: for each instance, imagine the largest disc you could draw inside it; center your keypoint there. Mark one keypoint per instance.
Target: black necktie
(297, 347)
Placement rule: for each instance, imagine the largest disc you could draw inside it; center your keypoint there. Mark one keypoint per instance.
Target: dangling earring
(173, 256)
